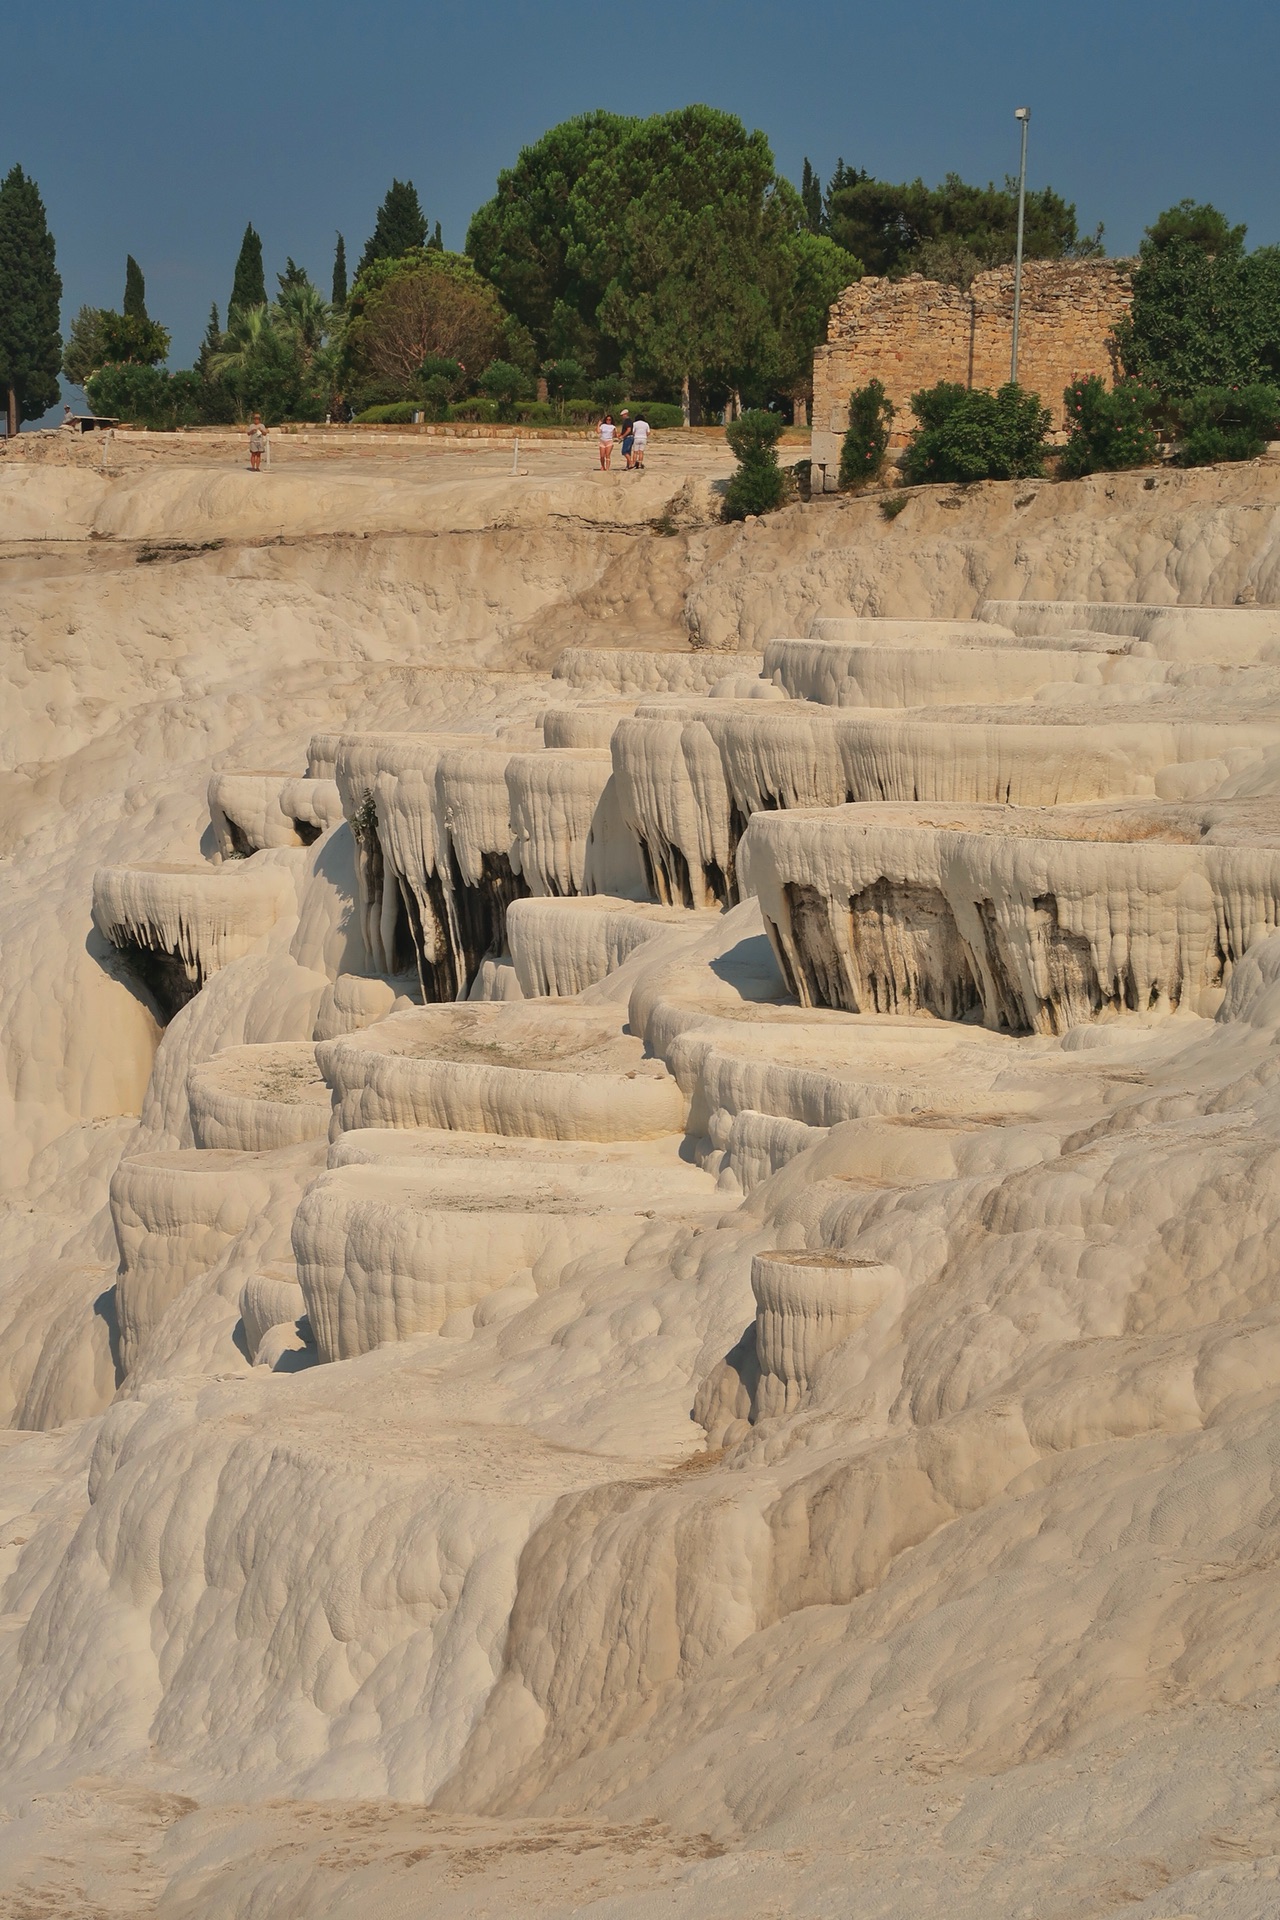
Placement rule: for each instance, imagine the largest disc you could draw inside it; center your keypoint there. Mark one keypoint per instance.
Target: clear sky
(159, 128)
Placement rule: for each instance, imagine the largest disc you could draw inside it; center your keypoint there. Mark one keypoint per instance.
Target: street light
(1024, 115)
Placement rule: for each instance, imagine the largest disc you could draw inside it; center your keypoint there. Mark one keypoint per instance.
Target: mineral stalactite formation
(651, 1246)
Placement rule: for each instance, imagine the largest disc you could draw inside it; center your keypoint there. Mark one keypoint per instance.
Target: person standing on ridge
(628, 440)
(639, 441)
(607, 432)
(257, 443)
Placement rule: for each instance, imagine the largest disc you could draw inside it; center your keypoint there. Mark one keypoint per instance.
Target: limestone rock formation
(650, 1251)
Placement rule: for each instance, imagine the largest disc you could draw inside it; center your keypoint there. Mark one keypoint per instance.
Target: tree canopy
(401, 226)
(30, 296)
(249, 286)
(1205, 313)
(135, 290)
(429, 304)
(666, 250)
(948, 232)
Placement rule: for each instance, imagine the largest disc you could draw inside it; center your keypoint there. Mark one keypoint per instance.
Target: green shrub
(398, 413)
(442, 381)
(659, 413)
(759, 485)
(143, 396)
(608, 393)
(477, 409)
(968, 434)
(1228, 423)
(867, 442)
(504, 384)
(891, 505)
(564, 378)
(1109, 428)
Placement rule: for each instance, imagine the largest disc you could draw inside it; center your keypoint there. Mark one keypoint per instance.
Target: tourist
(628, 440)
(607, 432)
(257, 444)
(639, 441)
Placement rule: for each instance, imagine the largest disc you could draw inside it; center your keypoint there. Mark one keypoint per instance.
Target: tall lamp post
(1024, 115)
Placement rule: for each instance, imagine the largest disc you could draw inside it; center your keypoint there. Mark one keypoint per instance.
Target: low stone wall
(913, 333)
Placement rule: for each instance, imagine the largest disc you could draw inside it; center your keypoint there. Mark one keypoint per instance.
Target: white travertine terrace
(808, 1368)
(174, 1214)
(839, 674)
(269, 1299)
(392, 1252)
(180, 925)
(633, 670)
(806, 1304)
(1043, 918)
(252, 811)
(1229, 634)
(565, 828)
(561, 947)
(497, 1069)
(588, 725)
(256, 1098)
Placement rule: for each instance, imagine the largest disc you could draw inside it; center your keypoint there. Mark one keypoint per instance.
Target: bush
(968, 434)
(867, 442)
(759, 485)
(1109, 428)
(608, 393)
(140, 397)
(476, 409)
(659, 413)
(398, 413)
(504, 384)
(1228, 423)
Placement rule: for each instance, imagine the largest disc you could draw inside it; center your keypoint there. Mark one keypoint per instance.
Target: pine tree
(811, 195)
(400, 227)
(211, 344)
(293, 276)
(340, 273)
(135, 290)
(30, 293)
(249, 288)
(435, 244)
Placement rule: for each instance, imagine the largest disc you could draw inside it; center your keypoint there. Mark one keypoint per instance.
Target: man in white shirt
(639, 441)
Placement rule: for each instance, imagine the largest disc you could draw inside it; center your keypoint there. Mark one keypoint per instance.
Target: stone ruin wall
(915, 332)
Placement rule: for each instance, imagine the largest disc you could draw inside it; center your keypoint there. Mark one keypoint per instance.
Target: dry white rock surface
(769, 1406)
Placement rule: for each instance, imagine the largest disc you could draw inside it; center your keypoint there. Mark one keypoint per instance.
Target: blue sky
(160, 128)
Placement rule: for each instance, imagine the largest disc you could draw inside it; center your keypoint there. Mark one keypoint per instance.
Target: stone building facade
(912, 333)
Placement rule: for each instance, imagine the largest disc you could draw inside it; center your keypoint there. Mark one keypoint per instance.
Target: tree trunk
(735, 401)
(684, 398)
(799, 410)
(11, 426)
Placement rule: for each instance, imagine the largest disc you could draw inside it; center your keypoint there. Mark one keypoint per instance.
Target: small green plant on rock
(862, 454)
(759, 485)
(1109, 428)
(892, 504)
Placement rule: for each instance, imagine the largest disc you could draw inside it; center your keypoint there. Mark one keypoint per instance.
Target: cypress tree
(211, 343)
(435, 244)
(340, 273)
(249, 288)
(30, 293)
(400, 227)
(135, 291)
(811, 195)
